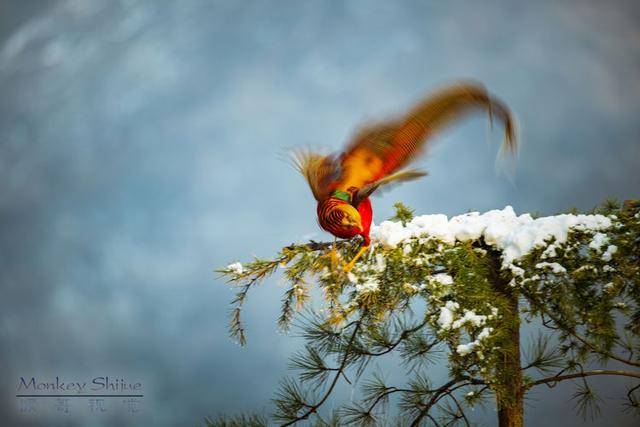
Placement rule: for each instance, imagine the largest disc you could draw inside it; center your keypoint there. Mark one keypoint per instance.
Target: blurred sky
(140, 147)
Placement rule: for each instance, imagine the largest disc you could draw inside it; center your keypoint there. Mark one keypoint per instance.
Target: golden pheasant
(378, 155)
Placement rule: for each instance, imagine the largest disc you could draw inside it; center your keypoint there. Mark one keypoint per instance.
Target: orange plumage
(379, 154)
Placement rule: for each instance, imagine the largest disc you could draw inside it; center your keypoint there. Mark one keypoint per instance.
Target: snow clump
(236, 267)
(515, 236)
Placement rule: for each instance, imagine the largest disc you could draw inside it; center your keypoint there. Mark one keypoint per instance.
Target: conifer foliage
(457, 288)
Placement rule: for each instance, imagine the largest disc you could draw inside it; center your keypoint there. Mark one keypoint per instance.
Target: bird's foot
(347, 268)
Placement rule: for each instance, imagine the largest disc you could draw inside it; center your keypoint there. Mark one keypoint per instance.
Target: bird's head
(340, 219)
(351, 221)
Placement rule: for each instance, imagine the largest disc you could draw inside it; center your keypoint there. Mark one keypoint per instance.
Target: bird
(378, 155)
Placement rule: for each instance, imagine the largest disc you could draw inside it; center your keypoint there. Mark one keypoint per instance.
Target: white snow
(390, 233)
(514, 235)
(447, 316)
(554, 266)
(381, 263)
(407, 249)
(533, 278)
(443, 279)
(469, 317)
(586, 267)
(484, 333)
(550, 252)
(236, 267)
(369, 286)
(445, 320)
(464, 349)
(611, 249)
(598, 241)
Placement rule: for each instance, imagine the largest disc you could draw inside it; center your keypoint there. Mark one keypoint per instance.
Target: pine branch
(313, 408)
(445, 389)
(587, 402)
(557, 378)
(237, 421)
(236, 327)
(385, 395)
(544, 358)
(290, 399)
(417, 351)
(432, 401)
(633, 401)
(389, 347)
(460, 409)
(560, 325)
(311, 364)
(314, 246)
(257, 271)
(376, 392)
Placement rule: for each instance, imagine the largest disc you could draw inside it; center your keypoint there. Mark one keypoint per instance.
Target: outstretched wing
(380, 150)
(320, 171)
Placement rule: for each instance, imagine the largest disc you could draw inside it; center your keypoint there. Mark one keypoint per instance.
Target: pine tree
(463, 287)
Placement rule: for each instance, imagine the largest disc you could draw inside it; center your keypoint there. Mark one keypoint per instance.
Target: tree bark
(510, 387)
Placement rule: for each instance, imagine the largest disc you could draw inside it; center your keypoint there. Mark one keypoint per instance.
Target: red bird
(377, 156)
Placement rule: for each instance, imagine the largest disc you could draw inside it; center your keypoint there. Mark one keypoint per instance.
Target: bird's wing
(320, 170)
(387, 183)
(380, 150)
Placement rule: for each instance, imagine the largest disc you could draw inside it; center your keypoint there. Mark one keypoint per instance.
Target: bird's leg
(348, 267)
(334, 254)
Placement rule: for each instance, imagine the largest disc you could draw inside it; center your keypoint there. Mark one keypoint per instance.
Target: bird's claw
(333, 257)
(347, 267)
